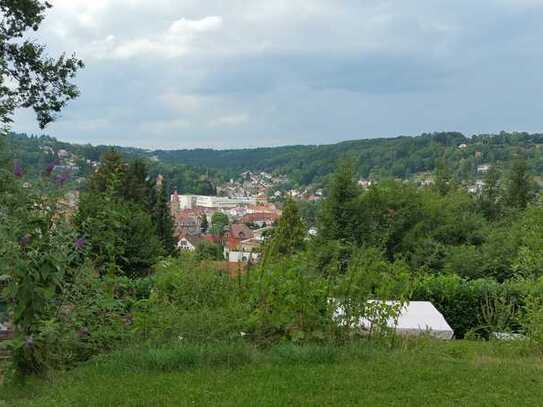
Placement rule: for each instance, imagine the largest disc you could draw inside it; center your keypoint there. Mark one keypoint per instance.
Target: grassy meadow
(413, 373)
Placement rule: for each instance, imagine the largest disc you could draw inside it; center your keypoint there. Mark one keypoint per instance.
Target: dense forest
(401, 157)
(36, 152)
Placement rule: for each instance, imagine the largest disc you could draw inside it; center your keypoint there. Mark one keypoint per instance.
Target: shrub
(532, 320)
(190, 300)
(464, 303)
(287, 300)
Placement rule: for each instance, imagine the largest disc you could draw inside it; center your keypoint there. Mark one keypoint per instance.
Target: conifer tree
(163, 220)
(136, 186)
(288, 237)
(338, 214)
(110, 175)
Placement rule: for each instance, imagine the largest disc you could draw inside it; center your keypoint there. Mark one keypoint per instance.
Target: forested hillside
(401, 157)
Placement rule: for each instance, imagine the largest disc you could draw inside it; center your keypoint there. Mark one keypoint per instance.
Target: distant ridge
(399, 157)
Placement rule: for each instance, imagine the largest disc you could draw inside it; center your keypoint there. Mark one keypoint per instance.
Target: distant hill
(401, 157)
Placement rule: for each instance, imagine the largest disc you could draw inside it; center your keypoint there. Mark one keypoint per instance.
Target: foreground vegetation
(420, 373)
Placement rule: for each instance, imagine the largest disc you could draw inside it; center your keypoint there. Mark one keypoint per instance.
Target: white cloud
(178, 40)
(184, 26)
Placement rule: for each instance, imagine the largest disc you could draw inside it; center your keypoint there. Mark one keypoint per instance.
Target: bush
(532, 320)
(87, 317)
(190, 300)
(465, 302)
(287, 300)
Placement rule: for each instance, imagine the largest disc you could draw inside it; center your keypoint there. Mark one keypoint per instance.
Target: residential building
(260, 219)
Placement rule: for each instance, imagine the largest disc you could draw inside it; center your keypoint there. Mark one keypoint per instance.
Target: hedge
(460, 300)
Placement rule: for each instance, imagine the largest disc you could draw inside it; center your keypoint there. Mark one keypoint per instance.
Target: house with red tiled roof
(238, 231)
(263, 208)
(261, 218)
(187, 222)
(240, 246)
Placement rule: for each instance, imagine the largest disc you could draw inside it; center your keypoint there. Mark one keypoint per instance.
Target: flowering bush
(58, 308)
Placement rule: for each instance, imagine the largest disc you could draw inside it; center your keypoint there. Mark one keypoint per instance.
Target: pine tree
(136, 186)
(110, 175)
(336, 219)
(289, 236)
(163, 220)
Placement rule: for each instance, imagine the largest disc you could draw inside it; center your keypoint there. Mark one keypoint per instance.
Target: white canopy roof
(416, 318)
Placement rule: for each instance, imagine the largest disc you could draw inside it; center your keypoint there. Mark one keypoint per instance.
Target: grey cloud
(299, 71)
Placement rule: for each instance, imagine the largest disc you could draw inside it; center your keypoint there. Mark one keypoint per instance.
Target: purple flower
(25, 240)
(49, 169)
(61, 179)
(80, 243)
(18, 171)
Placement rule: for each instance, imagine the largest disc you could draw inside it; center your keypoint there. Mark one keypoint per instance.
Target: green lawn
(422, 374)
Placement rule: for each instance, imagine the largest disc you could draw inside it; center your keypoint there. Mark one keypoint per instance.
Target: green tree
(219, 221)
(443, 178)
(518, 185)
(136, 185)
(124, 236)
(28, 77)
(336, 220)
(110, 175)
(288, 237)
(489, 200)
(208, 251)
(121, 235)
(163, 220)
(204, 224)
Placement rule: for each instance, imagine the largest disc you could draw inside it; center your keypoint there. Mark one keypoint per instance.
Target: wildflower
(18, 171)
(49, 169)
(61, 179)
(80, 243)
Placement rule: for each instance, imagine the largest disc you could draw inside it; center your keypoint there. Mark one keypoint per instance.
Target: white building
(241, 256)
(185, 245)
(483, 168)
(216, 202)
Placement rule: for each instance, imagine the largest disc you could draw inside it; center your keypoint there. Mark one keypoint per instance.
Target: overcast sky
(233, 73)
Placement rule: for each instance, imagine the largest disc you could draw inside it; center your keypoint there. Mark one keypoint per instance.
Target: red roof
(260, 217)
(239, 231)
(232, 243)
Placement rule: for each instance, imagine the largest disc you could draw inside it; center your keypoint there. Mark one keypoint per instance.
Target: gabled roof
(260, 217)
(240, 231)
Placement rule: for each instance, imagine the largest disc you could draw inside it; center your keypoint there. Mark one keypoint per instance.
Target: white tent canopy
(415, 318)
